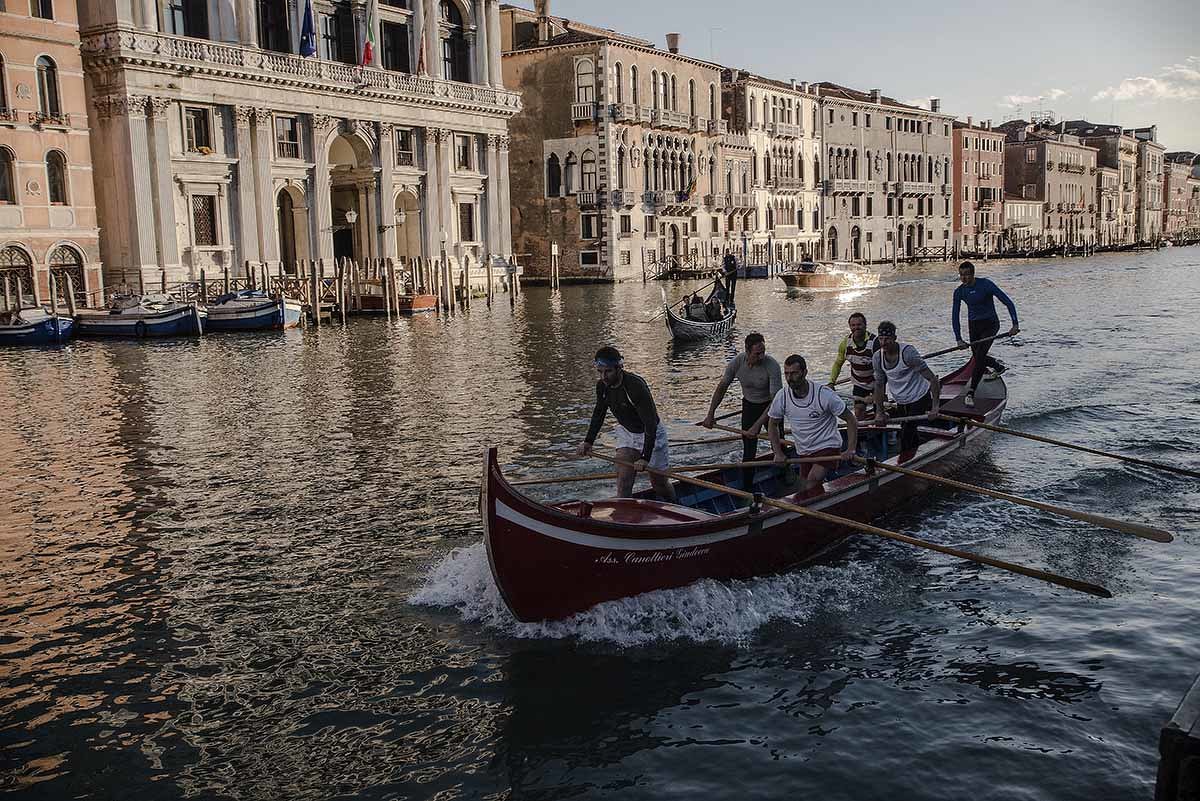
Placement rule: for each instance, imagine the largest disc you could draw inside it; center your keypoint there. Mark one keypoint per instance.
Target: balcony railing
(43, 119)
(716, 202)
(202, 57)
(717, 127)
(786, 130)
(587, 200)
(9, 115)
(915, 188)
(623, 197)
(583, 112)
(730, 139)
(785, 183)
(289, 150)
(742, 200)
(840, 186)
(654, 198)
(626, 112)
(665, 118)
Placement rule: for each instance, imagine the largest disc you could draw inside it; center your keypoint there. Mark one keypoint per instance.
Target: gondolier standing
(915, 388)
(761, 379)
(812, 412)
(982, 322)
(857, 348)
(641, 438)
(729, 272)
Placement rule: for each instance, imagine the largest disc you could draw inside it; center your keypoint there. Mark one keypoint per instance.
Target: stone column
(295, 18)
(433, 39)
(505, 213)
(245, 244)
(367, 194)
(492, 198)
(387, 192)
(264, 188)
(148, 18)
(135, 193)
(167, 243)
(445, 139)
(247, 24)
(495, 70)
(433, 211)
(321, 222)
(418, 35)
(479, 12)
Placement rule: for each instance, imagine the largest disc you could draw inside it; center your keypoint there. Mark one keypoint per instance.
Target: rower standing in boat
(915, 388)
(761, 379)
(812, 412)
(641, 437)
(857, 348)
(729, 272)
(982, 322)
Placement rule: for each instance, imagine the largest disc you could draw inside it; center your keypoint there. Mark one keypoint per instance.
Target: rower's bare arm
(935, 389)
(880, 416)
(775, 429)
(851, 433)
(759, 423)
(718, 395)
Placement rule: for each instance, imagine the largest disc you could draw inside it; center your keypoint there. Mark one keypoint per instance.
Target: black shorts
(859, 392)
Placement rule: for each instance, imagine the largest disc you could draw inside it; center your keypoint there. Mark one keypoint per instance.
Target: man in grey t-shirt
(760, 377)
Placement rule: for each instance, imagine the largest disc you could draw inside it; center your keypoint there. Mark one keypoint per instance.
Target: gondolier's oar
(1138, 530)
(941, 352)
(1036, 438)
(867, 528)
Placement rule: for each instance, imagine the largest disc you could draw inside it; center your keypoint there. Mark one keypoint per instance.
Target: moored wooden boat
(143, 316)
(683, 330)
(553, 560)
(830, 276)
(35, 326)
(252, 310)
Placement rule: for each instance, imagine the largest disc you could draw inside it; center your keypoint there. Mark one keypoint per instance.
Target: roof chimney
(793, 82)
(542, 9)
(987, 124)
(970, 122)
(735, 75)
(935, 104)
(673, 42)
(804, 87)
(876, 96)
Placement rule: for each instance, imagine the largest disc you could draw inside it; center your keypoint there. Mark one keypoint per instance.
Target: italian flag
(368, 53)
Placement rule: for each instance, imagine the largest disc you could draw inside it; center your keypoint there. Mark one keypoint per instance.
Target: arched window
(654, 89)
(588, 172)
(8, 176)
(800, 169)
(854, 164)
(753, 106)
(56, 177)
(3, 86)
(585, 81)
(621, 167)
(569, 177)
(889, 167)
(455, 61)
(816, 172)
(17, 267)
(766, 113)
(47, 80)
(869, 173)
(669, 101)
(692, 98)
(65, 262)
(553, 176)
(619, 87)
(712, 101)
(634, 91)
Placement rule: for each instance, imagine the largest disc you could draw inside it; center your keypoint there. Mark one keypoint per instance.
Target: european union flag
(308, 31)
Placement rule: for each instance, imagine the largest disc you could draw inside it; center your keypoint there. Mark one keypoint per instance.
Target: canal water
(249, 567)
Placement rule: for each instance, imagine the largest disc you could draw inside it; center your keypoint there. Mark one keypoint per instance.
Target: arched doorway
(66, 261)
(920, 235)
(856, 244)
(16, 272)
(908, 240)
(408, 226)
(352, 188)
(833, 244)
(292, 213)
(676, 247)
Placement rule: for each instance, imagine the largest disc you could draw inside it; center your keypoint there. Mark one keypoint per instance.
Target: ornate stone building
(1148, 227)
(1108, 204)
(1023, 224)
(1117, 150)
(47, 201)
(978, 209)
(1053, 167)
(219, 143)
(618, 147)
(1177, 173)
(887, 181)
(781, 124)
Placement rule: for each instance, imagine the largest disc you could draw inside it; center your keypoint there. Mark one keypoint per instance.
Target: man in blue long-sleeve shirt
(980, 295)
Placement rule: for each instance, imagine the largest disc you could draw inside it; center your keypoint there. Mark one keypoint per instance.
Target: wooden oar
(525, 482)
(867, 528)
(691, 468)
(1036, 438)
(941, 352)
(707, 441)
(1138, 530)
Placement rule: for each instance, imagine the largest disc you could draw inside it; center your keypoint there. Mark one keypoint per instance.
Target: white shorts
(627, 439)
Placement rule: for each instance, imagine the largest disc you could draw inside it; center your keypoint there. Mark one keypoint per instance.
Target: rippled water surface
(250, 567)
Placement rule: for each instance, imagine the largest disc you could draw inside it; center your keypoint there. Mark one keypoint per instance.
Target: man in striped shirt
(857, 348)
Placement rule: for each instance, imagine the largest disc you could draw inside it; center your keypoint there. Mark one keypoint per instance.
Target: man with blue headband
(641, 438)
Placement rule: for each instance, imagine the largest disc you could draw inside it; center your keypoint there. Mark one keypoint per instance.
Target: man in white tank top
(812, 411)
(913, 386)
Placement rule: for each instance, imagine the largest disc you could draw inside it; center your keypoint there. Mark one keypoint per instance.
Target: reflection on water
(249, 567)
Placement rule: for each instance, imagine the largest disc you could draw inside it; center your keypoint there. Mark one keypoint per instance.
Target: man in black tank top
(641, 438)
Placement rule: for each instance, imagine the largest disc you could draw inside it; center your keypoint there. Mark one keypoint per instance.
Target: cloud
(1015, 101)
(1173, 82)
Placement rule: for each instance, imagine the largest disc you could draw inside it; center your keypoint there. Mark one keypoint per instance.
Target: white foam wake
(706, 611)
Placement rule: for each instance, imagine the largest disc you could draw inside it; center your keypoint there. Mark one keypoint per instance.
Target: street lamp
(351, 216)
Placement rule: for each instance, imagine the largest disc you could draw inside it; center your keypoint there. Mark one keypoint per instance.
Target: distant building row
(629, 157)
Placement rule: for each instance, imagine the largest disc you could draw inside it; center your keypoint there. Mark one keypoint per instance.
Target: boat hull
(266, 315)
(51, 331)
(691, 331)
(137, 324)
(825, 282)
(551, 562)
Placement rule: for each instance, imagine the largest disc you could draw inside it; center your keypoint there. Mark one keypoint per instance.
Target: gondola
(684, 330)
(551, 561)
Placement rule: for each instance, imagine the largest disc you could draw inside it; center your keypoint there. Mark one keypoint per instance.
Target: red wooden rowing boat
(551, 561)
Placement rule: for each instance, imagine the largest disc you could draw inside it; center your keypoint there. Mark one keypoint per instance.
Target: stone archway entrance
(408, 226)
(833, 244)
(292, 224)
(352, 195)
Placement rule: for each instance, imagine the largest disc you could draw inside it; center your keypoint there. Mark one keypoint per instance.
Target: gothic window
(66, 262)
(553, 176)
(654, 89)
(588, 172)
(634, 92)
(621, 167)
(3, 86)
(585, 81)
(889, 167)
(870, 176)
(47, 81)
(692, 98)
(8, 177)
(854, 165)
(56, 177)
(674, 105)
(753, 122)
(712, 102)
(569, 178)
(619, 88)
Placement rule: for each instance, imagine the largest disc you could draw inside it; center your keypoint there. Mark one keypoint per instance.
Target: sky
(1130, 63)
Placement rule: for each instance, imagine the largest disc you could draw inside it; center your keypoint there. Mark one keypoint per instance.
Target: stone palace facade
(217, 143)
